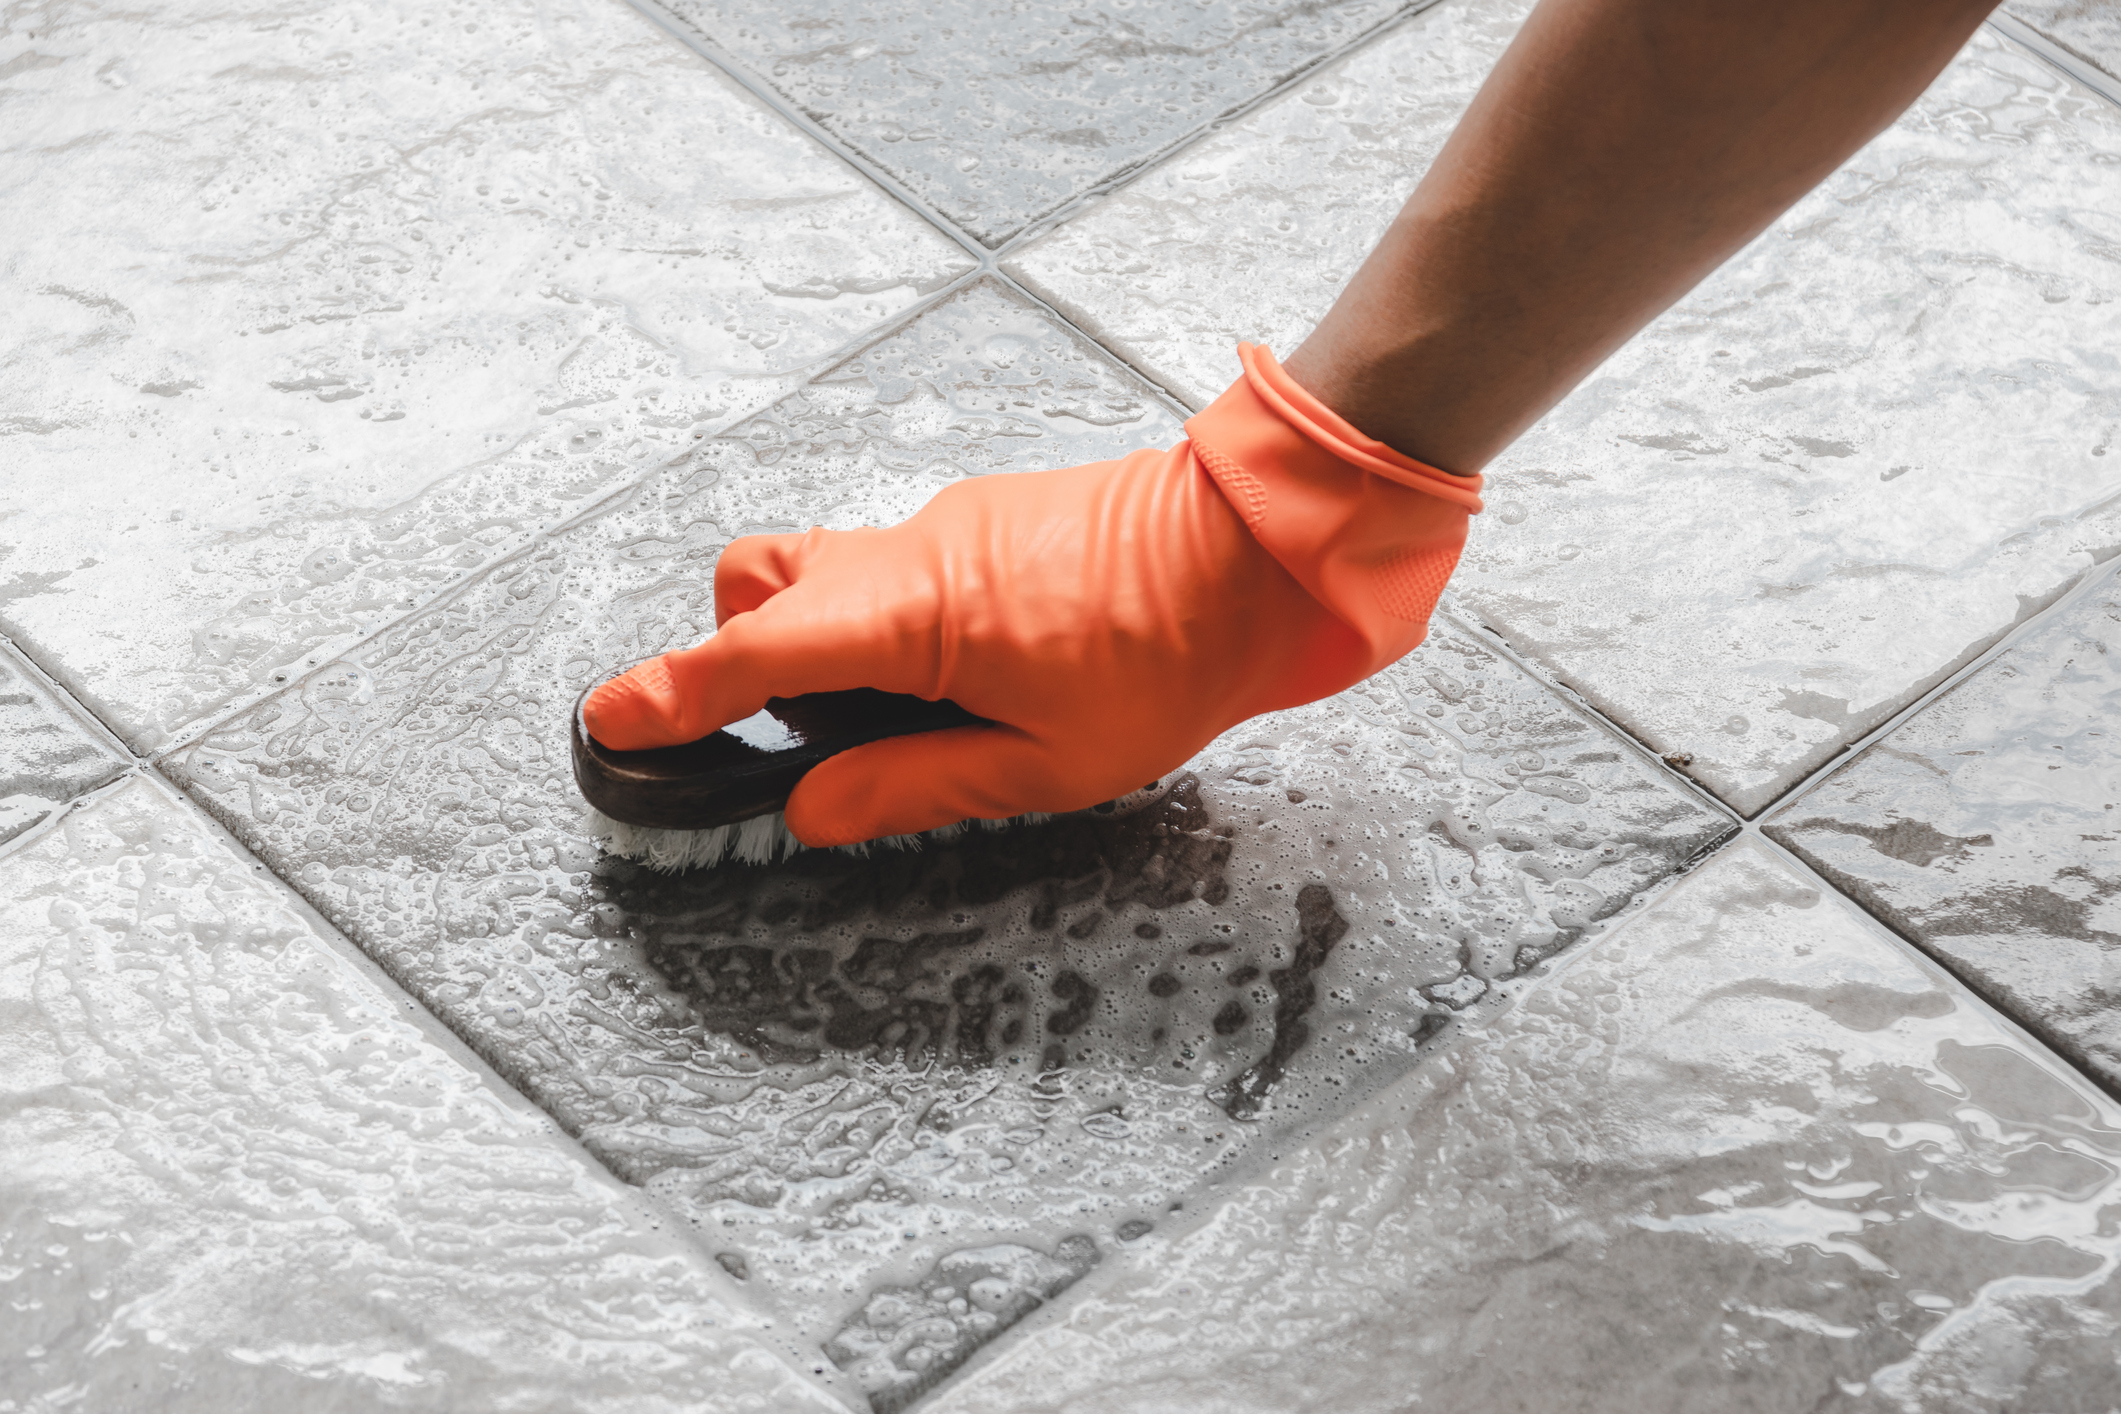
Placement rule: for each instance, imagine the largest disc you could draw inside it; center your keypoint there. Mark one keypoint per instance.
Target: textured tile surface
(883, 1085)
(2090, 28)
(239, 1175)
(1985, 829)
(996, 111)
(1851, 459)
(1740, 1155)
(48, 755)
(322, 307)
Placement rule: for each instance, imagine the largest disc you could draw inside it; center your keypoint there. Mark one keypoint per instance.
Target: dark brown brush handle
(724, 778)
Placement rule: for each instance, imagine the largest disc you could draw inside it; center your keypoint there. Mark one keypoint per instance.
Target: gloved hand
(1110, 619)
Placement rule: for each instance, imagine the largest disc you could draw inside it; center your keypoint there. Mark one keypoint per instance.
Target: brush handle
(747, 768)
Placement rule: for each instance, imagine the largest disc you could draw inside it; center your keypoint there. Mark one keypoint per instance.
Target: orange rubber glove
(1110, 620)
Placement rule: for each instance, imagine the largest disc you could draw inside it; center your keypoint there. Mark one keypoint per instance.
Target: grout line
(739, 74)
(799, 378)
(138, 768)
(430, 1024)
(1751, 828)
(990, 258)
(129, 762)
(1206, 1198)
(1070, 206)
(68, 702)
(988, 264)
(2059, 56)
(63, 808)
(1040, 226)
(1956, 982)
(1494, 642)
(202, 727)
(1173, 404)
(438, 1032)
(2088, 583)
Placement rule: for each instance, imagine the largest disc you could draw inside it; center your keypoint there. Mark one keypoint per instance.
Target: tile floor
(1742, 1019)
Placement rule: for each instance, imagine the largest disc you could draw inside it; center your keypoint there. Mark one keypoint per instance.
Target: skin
(1619, 152)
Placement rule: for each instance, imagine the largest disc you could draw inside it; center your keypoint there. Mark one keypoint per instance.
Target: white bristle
(766, 838)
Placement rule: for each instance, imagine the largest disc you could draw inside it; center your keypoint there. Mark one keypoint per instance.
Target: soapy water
(1739, 1152)
(845, 1074)
(773, 979)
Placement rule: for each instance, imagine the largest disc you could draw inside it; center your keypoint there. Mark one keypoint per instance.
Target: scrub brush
(674, 808)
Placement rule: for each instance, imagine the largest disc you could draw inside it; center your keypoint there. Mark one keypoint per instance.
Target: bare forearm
(1620, 151)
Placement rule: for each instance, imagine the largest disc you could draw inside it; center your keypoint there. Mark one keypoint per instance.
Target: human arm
(1619, 152)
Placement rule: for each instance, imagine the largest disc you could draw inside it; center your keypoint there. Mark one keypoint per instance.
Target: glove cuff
(1369, 532)
(1297, 406)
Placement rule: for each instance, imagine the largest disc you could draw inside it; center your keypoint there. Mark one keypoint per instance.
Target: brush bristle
(763, 839)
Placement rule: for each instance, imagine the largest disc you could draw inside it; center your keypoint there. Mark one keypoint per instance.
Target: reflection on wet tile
(1878, 438)
(48, 754)
(1741, 1153)
(240, 1176)
(1984, 829)
(998, 1059)
(322, 308)
(996, 112)
(2090, 29)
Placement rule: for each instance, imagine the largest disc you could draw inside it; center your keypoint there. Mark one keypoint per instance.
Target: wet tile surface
(996, 112)
(240, 1175)
(1741, 1154)
(48, 755)
(1845, 464)
(323, 308)
(1984, 828)
(2088, 28)
(909, 1100)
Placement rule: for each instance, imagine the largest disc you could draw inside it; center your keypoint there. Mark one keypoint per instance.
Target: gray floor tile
(2090, 29)
(240, 1176)
(48, 754)
(995, 111)
(1847, 463)
(991, 1064)
(321, 307)
(1984, 828)
(1741, 1154)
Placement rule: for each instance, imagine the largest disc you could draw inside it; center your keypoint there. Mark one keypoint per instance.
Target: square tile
(875, 1084)
(996, 112)
(1842, 467)
(324, 308)
(1984, 829)
(244, 1173)
(49, 753)
(1740, 1154)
